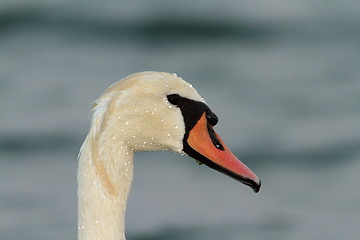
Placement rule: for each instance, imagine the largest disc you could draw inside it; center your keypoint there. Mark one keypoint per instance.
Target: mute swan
(147, 111)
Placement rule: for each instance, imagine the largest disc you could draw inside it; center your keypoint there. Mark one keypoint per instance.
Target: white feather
(132, 115)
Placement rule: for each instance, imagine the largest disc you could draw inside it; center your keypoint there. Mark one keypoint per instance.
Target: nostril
(214, 139)
(212, 118)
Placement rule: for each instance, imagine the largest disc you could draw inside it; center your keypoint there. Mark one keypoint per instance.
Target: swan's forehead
(160, 84)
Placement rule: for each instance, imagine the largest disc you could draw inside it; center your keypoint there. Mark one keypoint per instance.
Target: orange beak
(214, 153)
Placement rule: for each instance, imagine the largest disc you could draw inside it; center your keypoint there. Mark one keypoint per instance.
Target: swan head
(151, 111)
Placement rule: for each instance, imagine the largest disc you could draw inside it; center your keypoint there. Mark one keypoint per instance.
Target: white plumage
(132, 115)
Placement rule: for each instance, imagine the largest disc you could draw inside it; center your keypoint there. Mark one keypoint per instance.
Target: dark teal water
(283, 77)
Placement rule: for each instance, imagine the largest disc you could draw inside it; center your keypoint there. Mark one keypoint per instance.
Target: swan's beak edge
(208, 148)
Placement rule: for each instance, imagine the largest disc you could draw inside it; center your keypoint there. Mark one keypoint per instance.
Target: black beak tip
(251, 183)
(256, 186)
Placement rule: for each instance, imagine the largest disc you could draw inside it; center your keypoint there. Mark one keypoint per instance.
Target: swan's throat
(104, 181)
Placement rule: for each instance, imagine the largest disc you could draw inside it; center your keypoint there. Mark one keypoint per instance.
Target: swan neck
(104, 181)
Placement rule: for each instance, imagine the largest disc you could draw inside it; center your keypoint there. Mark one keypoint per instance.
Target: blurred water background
(283, 76)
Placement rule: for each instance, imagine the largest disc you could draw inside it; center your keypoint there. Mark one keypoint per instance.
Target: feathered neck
(104, 179)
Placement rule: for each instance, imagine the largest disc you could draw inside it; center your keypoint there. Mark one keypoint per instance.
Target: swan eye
(174, 99)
